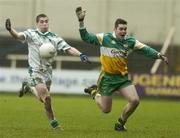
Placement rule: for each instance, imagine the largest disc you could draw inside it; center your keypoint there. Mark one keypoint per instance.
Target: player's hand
(164, 58)
(8, 24)
(80, 14)
(84, 58)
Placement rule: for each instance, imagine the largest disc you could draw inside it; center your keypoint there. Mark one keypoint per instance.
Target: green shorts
(109, 83)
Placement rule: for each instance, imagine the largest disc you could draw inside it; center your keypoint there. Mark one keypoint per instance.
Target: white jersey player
(40, 69)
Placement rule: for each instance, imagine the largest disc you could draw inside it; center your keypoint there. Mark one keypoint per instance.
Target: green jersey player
(40, 69)
(114, 50)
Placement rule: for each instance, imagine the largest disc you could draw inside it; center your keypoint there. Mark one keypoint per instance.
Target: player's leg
(92, 90)
(131, 95)
(25, 88)
(41, 91)
(44, 96)
(27, 84)
(102, 93)
(42, 83)
(103, 102)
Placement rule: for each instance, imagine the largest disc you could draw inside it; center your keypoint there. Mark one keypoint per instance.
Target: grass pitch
(25, 118)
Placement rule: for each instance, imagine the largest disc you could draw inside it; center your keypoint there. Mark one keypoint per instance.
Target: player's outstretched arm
(73, 51)
(85, 35)
(12, 31)
(149, 52)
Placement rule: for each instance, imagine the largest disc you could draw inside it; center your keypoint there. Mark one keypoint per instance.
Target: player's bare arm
(13, 32)
(73, 51)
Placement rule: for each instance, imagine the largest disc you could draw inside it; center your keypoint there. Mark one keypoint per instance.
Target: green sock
(54, 123)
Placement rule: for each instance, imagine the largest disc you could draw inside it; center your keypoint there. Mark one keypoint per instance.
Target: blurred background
(153, 22)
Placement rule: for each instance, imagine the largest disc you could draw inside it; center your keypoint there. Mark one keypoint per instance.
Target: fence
(58, 60)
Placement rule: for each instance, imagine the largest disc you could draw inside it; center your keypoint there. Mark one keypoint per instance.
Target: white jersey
(35, 39)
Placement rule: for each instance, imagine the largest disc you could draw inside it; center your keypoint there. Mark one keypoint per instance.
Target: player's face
(120, 31)
(43, 24)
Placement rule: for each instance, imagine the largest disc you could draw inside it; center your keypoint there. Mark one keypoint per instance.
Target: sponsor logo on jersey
(119, 53)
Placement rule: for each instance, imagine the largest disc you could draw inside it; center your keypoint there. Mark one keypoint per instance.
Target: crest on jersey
(113, 42)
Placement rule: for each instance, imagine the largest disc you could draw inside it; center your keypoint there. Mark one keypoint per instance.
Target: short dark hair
(119, 21)
(39, 16)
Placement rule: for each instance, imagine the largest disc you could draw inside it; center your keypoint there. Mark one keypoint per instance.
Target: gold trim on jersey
(100, 37)
(99, 80)
(138, 45)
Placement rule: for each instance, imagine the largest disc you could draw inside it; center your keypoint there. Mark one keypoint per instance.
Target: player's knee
(42, 92)
(135, 101)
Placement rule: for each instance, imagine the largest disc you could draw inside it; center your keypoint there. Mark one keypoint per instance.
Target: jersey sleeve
(27, 35)
(146, 50)
(62, 45)
(90, 37)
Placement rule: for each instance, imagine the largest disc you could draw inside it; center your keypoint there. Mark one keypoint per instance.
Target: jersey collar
(113, 34)
(41, 33)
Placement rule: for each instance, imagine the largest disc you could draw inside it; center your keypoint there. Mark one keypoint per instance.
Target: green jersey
(114, 53)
